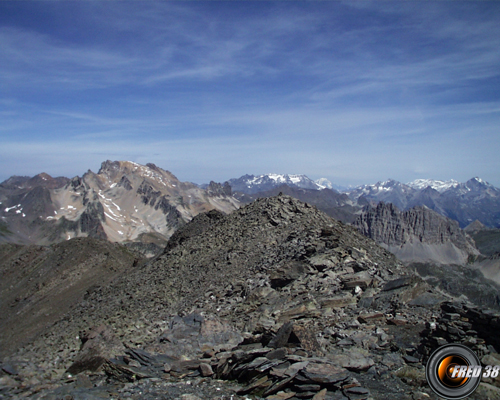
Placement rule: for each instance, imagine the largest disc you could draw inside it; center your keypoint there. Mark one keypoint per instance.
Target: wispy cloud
(354, 91)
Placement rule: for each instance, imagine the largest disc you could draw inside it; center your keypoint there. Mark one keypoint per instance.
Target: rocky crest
(275, 300)
(463, 202)
(336, 205)
(418, 234)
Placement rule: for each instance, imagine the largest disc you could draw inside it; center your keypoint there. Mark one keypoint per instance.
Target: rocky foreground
(274, 301)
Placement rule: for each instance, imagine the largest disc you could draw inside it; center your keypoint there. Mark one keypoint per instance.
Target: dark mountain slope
(39, 285)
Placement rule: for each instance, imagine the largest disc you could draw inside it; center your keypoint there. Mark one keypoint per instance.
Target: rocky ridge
(417, 235)
(463, 202)
(336, 205)
(276, 298)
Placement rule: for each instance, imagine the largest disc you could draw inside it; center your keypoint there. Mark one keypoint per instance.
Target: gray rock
(397, 283)
(98, 345)
(281, 337)
(206, 369)
(9, 369)
(325, 373)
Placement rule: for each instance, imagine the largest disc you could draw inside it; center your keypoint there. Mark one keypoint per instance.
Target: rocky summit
(125, 202)
(275, 300)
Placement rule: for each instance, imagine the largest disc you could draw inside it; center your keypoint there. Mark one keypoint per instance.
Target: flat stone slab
(338, 301)
(397, 283)
(325, 373)
(371, 317)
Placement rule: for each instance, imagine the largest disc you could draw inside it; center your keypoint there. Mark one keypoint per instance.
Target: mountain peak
(324, 183)
(44, 176)
(122, 202)
(251, 184)
(474, 226)
(478, 181)
(438, 185)
(115, 170)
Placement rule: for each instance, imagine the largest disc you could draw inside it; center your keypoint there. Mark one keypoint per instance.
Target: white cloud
(210, 91)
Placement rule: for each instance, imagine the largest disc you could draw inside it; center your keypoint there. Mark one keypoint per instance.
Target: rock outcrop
(416, 235)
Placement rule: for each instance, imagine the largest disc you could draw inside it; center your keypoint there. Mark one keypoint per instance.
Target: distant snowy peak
(419, 185)
(478, 182)
(286, 178)
(324, 183)
(472, 185)
(440, 186)
(252, 184)
(301, 181)
(379, 187)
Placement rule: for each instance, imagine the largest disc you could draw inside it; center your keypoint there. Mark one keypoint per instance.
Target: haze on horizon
(356, 92)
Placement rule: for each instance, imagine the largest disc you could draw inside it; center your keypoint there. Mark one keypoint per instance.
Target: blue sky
(356, 92)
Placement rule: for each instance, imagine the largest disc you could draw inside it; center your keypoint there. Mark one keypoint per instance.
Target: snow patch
(109, 216)
(438, 185)
(324, 183)
(11, 208)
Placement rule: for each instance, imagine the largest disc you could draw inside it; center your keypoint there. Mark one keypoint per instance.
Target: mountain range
(143, 205)
(251, 184)
(463, 202)
(122, 202)
(263, 291)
